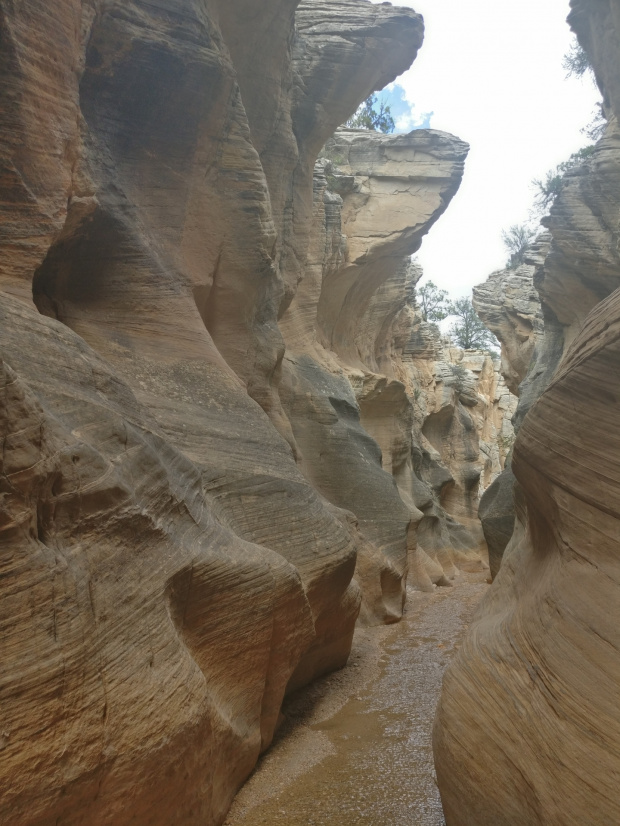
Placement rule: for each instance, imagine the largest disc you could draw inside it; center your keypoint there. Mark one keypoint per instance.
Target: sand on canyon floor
(355, 747)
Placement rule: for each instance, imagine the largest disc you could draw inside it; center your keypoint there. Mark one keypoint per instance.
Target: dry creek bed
(356, 746)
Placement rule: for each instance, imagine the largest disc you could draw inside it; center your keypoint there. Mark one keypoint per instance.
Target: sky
(490, 72)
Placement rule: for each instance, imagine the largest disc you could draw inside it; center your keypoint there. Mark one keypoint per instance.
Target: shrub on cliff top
(468, 331)
(432, 302)
(517, 240)
(548, 189)
(576, 62)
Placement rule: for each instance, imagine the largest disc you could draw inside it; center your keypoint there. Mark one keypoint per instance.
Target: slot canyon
(273, 547)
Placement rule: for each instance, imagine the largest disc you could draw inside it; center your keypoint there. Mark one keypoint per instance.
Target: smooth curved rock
(534, 687)
(124, 604)
(206, 408)
(168, 569)
(349, 419)
(497, 515)
(354, 313)
(547, 634)
(509, 305)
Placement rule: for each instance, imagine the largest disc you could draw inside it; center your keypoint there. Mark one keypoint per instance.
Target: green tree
(432, 302)
(517, 240)
(468, 332)
(576, 62)
(373, 114)
(548, 188)
(595, 129)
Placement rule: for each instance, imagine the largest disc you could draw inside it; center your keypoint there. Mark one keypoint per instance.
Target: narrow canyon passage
(356, 746)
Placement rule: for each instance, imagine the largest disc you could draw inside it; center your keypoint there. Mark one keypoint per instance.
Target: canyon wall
(534, 687)
(215, 451)
(510, 306)
(348, 414)
(358, 349)
(461, 411)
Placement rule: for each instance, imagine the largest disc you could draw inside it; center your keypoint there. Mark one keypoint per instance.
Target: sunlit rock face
(344, 385)
(534, 687)
(361, 362)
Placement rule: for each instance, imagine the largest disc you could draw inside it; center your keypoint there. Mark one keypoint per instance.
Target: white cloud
(410, 121)
(491, 71)
(405, 123)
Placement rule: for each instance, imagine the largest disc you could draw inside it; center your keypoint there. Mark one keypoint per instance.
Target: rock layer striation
(534, 687)
(188, 474)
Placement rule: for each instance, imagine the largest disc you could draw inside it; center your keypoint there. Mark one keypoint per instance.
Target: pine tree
(468, 332)
(372, 114)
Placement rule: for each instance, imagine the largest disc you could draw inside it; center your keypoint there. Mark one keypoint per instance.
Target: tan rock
(210, 419)
(509, 305)
(534, 687)
(169, 571)
(547, 635)
(532, 342)
(125, 604)
(492, 413)
(462, 412)
(573, 266)
(343, 329)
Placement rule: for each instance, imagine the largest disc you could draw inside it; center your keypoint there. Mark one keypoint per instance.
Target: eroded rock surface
(537, 310)
(509, 305)
(462, 430)
(346, 331)
(182, 505)
(357, 347)
(534, 688)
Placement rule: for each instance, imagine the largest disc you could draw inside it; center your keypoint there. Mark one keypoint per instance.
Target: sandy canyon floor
(355, 747)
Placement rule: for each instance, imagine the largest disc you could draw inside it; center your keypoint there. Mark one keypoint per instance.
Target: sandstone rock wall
(496, 405)
(223, 423)
(189, 473)
(509, 304)
(537, 310)
(534, 686)
(347, 332)
(355, 314)
(462, 430)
